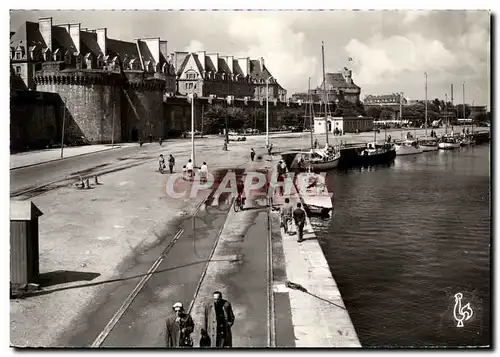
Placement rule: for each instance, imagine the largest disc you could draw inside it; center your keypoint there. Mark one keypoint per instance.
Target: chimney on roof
(74, 32)
(229, 60)
(163, 50)
(214, 57)
(244, 65)
(262, 63)
(101, 39)
(178, 58)
(45, 26)
(201, 58)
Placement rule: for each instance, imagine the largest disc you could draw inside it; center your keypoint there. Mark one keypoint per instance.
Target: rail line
(140, 285)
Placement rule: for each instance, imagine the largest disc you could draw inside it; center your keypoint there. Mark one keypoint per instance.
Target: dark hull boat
(377, 154)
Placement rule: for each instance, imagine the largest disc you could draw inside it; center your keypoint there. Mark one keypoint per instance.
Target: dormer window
(18, 55)
(57, 55)
(46, 54)
(88, 61)
(100, 61)
(67, 57)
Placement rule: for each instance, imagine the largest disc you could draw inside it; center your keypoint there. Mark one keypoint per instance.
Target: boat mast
(310, 111)
(324, 89)
(401, 112)
(463, 99)
(425, 105)
(446, 112)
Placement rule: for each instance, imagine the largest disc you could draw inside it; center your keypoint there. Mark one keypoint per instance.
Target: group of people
(218, 319)
(298, 215)
(171, 163)
(187, 170)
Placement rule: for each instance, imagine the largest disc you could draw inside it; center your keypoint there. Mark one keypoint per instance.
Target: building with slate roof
(339, 86)
(111, 89)
(385, 99)
(209, 74)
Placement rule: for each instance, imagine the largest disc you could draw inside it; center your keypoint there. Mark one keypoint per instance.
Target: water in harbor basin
(404, 239)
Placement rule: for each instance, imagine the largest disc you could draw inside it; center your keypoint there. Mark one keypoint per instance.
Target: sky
(390, 50)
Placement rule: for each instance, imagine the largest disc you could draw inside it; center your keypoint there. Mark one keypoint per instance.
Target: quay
(96, 245)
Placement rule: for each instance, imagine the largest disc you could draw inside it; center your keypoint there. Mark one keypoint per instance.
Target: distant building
(477, 112)
(75, 47)
(210, 74)
(339, 86)
(343, 124)
(385, 100)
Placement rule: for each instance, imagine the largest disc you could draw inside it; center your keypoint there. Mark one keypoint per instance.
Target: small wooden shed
(24, 252)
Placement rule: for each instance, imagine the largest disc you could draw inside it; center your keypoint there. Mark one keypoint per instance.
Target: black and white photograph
(280, 179)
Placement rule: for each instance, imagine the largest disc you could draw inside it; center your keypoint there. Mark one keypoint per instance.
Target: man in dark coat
(219, 319)
(179, 328)
(299, 216)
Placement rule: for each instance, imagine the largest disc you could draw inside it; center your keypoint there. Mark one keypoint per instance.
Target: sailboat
(410, 146)
(427, 144)
(448, 142)
(317, 159)
(467, 139)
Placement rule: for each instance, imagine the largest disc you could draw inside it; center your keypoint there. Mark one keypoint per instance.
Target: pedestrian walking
(252, 154)
(286, 212)
(299, 216)
(190, 169)
(160, 140)
(270, 150)
(171, 163)
(219, 319)
(161, 163)
(203, 172)
(179, 328)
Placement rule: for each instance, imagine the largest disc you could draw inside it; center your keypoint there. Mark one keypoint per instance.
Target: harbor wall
(319, 315)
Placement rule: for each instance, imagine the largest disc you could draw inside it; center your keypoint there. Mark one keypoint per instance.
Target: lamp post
(267, 110)
(425, 105)
(192, 128)
(62, 129)
(113, 127)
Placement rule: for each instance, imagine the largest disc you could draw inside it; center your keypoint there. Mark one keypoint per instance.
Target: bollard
(87, 184)
(96, 181)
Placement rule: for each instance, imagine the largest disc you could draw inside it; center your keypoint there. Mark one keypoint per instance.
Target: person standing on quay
(219, 319)
(299, 216)
(252, 154)
(171, 163)
(179, 328)
(286, 214)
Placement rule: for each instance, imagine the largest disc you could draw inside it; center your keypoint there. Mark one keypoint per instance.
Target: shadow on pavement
(45, 292)
(65, 276)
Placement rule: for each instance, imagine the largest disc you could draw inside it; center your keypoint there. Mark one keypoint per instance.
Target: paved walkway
(40, 156)
(319, 316)
(238, 269)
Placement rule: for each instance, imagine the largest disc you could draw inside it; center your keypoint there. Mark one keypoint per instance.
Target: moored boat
(376, 154)
(428, 144)
(314, 192)
(316, 160)
(408, 147)
(448, 143)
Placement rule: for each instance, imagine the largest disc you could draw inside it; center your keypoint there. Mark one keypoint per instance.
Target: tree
(460, 110)
(374, 112)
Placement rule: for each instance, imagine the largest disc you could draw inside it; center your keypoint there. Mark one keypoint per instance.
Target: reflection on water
(405, 238)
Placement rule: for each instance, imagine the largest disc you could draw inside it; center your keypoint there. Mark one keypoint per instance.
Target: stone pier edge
(317, 322)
